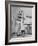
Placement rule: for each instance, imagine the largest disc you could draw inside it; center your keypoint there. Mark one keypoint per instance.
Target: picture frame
(24, 35)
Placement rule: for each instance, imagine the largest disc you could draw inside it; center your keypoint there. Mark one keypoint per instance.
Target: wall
(37, 21)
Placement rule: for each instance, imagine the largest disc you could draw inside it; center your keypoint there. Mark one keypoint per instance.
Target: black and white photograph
(21, 22)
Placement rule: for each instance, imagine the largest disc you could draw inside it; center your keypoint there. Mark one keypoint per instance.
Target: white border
(33, 28)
